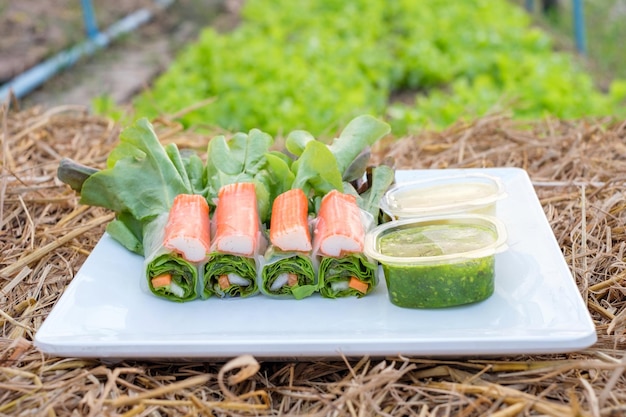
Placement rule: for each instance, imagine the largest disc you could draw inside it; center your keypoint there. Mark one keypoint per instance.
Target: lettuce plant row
(315, 64)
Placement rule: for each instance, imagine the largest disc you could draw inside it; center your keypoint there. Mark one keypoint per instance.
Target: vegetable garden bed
(45, 236)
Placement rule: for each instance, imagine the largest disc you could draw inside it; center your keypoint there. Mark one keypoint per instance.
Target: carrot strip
(339, 228)
(358, 285)
(292, 279)
(289, 229)
(187, 230)
(237, 219)
(223, 282)
(161, 281)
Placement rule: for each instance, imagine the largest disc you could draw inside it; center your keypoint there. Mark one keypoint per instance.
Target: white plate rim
(67, 332)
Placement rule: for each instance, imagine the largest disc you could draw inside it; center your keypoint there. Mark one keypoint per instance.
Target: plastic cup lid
(443, 195)
(452, 244)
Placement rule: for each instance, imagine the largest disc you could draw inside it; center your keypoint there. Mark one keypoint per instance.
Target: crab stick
(289, 228)
(176, 243)
(339, 228)
(187, 230)
(237, 219)
(231, 268)
(288, 270)
(338, 240)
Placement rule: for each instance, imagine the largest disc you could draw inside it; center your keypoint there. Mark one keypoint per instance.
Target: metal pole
(579, 27)
(530, 5)
(89, 18)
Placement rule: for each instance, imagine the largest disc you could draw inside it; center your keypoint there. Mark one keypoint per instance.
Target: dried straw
(579, 172)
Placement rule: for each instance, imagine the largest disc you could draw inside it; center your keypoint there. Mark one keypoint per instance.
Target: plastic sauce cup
(437, 262)
(472, 193)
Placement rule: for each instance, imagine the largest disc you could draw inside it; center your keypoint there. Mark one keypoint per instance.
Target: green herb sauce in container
(436, 262)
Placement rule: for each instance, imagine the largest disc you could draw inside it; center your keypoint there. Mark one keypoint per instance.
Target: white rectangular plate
(536, 308)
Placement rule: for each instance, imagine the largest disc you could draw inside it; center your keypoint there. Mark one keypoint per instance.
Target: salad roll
(288, 270)
(231, 268)
(338, 241)
(176, 244)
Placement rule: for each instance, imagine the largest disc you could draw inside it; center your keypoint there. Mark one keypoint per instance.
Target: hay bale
(578, 170)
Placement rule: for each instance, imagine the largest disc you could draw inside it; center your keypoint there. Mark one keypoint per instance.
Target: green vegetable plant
(140, 181)
(142, 176)
(316, 64)
(243, 158)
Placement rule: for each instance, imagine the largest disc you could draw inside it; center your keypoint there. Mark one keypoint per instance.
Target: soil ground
(31, 30)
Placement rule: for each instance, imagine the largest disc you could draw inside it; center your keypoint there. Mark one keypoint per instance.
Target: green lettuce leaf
(381, 178)
(140, 182)
(281, 178)
(194, 168)
(320, 168)
(247, 158)
(184, 274)
(296, 141)
(360, 133)
(358, 166)
(299, 264)
(334, 274)
(223, 264)
(128, 232)
(243, 154)
(316, 171)
(273, 179)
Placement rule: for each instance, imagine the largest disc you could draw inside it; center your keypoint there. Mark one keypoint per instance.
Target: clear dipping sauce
(474, 193)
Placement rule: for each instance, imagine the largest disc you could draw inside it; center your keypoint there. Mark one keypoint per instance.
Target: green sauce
(444, 284)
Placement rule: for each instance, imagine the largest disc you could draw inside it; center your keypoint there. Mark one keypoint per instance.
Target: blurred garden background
(282, 65)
